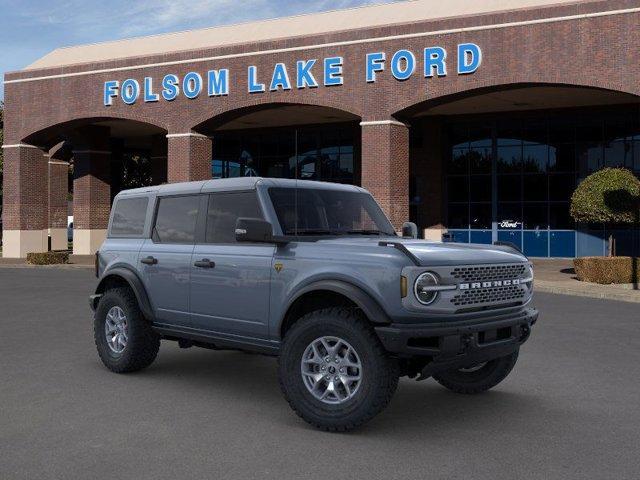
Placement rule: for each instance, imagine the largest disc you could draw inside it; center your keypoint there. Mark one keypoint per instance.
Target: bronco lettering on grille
(494, 283)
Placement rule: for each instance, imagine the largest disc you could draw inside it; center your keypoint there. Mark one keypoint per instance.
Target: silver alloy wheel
(331, 370)
(116, 329)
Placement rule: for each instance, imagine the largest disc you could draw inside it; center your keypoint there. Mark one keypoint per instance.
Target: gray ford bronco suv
(312, 273)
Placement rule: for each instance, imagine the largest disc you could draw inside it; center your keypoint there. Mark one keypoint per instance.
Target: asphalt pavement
(570, 409)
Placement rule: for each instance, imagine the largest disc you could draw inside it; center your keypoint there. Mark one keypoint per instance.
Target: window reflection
(538, 163)
(323, 153)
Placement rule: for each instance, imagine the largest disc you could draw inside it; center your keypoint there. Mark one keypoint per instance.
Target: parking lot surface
(570, 409)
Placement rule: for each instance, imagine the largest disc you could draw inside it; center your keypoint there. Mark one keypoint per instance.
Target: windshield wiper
(313, 231)
(367, 232)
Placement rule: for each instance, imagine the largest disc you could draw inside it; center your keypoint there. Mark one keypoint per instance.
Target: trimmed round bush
(610, 195)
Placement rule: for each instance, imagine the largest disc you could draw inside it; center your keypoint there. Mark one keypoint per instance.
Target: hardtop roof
(233, 184)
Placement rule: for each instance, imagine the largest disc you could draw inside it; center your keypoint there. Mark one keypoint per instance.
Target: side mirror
(409, 230)
(253, 230)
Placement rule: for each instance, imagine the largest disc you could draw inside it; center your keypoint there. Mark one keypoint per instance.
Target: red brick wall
(91, 189)
(25, 189)
(595, 52)
(189, 158)
(385, 168)
(590, 52)
(58, 188)
(426, 169)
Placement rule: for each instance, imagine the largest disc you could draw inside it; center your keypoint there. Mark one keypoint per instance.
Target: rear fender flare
(136, 285)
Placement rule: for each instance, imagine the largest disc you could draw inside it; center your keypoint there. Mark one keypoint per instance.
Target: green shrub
(610, 195)
(607, 270)
(48, 258)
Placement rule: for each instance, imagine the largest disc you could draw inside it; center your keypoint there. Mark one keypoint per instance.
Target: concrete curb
(604, 292)
(65, 266)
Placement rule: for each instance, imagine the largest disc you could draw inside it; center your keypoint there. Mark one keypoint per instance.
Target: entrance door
(165, 260)
(230, 283)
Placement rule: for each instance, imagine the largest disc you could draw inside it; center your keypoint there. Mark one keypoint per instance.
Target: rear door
(165, 259)
(230, 282)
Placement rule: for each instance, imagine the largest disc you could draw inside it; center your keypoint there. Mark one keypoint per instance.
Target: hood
(434, 254)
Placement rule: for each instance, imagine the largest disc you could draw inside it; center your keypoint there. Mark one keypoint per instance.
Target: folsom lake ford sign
(309, 73)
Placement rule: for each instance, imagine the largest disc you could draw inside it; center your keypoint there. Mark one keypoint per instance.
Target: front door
(230, 282)
(165, 259)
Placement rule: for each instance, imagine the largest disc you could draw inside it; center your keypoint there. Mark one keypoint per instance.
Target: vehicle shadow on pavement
(415, 407)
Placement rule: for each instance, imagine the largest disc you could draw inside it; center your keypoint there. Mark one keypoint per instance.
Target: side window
(224, 209)
(129, 215)
(176, 219)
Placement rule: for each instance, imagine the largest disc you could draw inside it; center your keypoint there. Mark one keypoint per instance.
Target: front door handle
(204, 263)
(149, 261)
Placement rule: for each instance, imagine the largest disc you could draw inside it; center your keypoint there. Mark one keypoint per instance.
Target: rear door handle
(149, 261)
(204, 263)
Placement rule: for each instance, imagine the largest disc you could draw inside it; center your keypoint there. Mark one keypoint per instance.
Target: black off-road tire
(142, 344)
(487, 377)
(380, 373)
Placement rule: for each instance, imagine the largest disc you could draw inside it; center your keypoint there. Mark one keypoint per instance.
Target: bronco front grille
(488, 272)
(489, 295)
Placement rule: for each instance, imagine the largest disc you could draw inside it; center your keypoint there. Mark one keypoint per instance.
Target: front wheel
(333, 370)
(478, 378)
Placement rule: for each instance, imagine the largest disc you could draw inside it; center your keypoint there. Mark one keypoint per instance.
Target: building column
(385, 167)
(91, 189)
(159, 159)
(24, 201)
(426, 164)
(58, 191)
(189, 157)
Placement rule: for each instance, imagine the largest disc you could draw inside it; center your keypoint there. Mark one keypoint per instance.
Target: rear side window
(176, 219)
(129, 215)
(224, 209)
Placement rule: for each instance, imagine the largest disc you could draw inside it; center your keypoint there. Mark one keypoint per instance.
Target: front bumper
(447, 346)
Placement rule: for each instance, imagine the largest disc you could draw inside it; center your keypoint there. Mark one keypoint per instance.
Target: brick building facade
(407, 78)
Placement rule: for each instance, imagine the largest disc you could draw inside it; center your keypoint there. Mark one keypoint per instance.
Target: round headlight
(423, 288)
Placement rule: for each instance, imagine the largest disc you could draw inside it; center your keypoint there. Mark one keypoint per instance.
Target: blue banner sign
(310, 73)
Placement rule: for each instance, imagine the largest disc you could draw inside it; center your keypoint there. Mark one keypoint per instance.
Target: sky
(30, 29)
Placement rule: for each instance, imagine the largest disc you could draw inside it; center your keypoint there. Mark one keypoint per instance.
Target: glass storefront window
(535, 160)
(480, 216)
(510, 158)
(480, 188)
(535, 187)
(509, 188)
(323, 153)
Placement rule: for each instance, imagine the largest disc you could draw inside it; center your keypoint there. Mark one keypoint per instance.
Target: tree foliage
(610, 196)
(136, 171)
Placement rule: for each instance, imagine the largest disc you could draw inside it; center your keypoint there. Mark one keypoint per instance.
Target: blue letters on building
(402, 66)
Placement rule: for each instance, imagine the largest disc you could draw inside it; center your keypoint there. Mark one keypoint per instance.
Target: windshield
(309, 211)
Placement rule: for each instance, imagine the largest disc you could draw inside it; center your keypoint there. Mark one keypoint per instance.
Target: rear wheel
(123, 337)
(478, 378)
(333, 370)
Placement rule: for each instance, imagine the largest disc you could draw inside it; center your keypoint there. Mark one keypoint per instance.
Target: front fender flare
(136, 285)
(371, 308)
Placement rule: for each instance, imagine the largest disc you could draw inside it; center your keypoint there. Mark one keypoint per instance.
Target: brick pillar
(24, 200)
(189, 157)
(159, 159)
(58, 190)
(91, 189)
(427, 154)
(385, 167)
